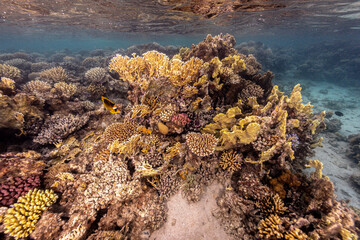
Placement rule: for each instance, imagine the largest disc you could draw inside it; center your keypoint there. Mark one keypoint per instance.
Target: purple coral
(9, 193)
(180, 119)
(294, 138)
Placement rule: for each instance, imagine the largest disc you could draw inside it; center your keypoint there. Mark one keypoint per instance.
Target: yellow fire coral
(121, 131)
(56, 74)
(138, 71)
(201, 144)
(21, 219)
(9, 71)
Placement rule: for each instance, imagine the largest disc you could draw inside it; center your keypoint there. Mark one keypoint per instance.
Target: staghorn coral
(20, 220)
(54, 75)
(11, 72)
(120, 131)
(230, 161)
(270, 228)
(96, 74)
(201, 144)
(58, 127)
(64, 90)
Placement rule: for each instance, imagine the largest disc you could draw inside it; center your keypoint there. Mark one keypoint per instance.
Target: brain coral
(121, 131)
(201, 144)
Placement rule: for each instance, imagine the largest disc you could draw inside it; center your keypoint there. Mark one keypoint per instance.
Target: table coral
(20, 220)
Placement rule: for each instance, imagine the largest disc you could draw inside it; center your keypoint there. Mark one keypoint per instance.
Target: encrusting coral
(20, 220)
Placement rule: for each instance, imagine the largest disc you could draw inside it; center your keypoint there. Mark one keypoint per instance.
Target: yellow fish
(109, 105)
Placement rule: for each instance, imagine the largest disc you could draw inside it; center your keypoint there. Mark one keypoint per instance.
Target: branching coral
(37, 87)
(9, 72)
(58, 127)
(272, 204)
(96, 74)
(220, 46)
(201, 144)
(64, 90)
(139, 71)
(56, 74)
(270, 228)
(21, 219)
(230, 161)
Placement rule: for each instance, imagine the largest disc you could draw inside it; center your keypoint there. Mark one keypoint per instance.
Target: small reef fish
(338, 113)
(109, 105)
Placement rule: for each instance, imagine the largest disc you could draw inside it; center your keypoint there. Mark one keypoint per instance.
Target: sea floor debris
(206, 115)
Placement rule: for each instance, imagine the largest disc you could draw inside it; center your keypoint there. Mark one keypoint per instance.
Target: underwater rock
(333, 125)
(353, 151)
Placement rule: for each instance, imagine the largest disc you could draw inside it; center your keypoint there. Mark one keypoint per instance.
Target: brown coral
(7, 86)
(121, 131)
(272, 204)
(37, 87)
(219, 46)
(65, 90)
(230, 161)
(201, 144)
(9, 72)
(96, 74)
(56, 74)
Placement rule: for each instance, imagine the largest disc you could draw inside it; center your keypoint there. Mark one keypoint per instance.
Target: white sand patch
(192, 220)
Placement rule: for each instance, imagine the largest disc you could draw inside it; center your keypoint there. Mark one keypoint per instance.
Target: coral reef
(186, 119)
